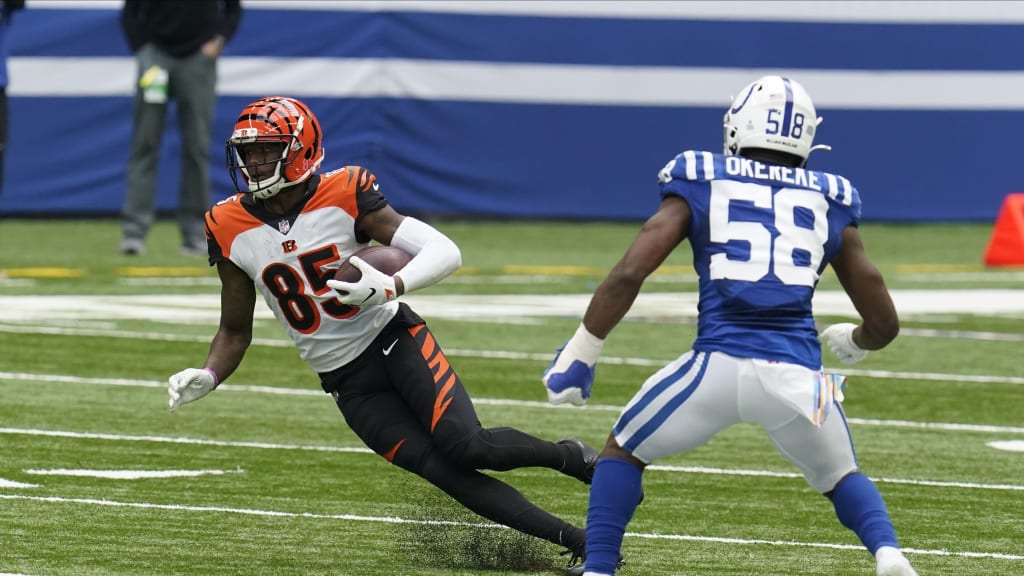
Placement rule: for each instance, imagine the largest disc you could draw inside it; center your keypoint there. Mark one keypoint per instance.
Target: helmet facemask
(275, 155)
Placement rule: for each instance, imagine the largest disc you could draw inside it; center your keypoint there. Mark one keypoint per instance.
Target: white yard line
(363, 450)
(126, 474)
(595, 407)
(398, 520)
(501, 354)
(193, 308)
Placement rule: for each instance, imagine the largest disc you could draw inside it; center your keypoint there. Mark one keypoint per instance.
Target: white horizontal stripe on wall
(914, 11)
(533, 83)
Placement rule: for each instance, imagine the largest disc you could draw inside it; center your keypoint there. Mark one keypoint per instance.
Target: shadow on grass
(479, 546)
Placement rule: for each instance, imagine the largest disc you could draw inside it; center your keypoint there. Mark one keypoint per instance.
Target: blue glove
(571, 374)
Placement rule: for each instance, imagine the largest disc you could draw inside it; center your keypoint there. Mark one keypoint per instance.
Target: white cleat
(891, 562)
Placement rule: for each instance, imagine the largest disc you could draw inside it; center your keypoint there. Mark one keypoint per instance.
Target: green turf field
(263, 477)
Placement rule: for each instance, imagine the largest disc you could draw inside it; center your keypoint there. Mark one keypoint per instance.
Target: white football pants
(687, 402)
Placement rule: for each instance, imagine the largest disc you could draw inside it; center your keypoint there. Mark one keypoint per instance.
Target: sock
(860, 508)
(614, 496)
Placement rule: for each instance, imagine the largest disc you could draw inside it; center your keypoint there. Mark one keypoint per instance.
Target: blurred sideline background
(563, 110)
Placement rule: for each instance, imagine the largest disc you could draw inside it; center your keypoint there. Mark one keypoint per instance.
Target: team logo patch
(284, 226)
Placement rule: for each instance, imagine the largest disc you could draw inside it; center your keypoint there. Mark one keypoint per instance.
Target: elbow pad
(435, 256)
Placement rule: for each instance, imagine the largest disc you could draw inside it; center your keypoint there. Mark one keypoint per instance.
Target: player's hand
(571, 374)
(190, 384)
(374, 287)
(839, 338)
(213, 47)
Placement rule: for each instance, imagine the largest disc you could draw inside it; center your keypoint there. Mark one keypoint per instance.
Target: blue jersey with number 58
(761, 236)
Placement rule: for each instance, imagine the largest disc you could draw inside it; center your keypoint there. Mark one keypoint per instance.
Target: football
(387, 259)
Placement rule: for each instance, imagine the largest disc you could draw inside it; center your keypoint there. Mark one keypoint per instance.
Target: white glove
(571, 373)
(839, 338)
(190, 384)
(374, 287)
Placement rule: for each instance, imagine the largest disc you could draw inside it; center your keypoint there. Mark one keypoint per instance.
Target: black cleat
(589, 455)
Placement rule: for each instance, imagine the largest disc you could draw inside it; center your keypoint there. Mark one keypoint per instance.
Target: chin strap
(817, 123)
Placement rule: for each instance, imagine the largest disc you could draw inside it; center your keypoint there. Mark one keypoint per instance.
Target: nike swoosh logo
(388, 349)
(370, 295)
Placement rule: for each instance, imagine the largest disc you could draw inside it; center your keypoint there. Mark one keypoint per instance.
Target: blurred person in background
(7, 8)
(176, 46)
(762, 229)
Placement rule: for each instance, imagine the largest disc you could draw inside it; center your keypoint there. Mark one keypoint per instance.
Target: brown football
(387, 259)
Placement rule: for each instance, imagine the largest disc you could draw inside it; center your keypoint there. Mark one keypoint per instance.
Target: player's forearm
(876, 334)
(226, 352)
(609, 305)
(435, 256)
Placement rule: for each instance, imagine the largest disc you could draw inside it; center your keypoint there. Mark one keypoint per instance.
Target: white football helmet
(773, 113)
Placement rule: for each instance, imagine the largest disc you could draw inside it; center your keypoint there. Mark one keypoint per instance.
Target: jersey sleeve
(844, 200)
(353, 188)
(224, 222)
(855, 207)
(368, 197)
(214, 249)
(687, 176)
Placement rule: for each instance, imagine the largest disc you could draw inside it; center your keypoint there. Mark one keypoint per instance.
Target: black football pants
(405, 401)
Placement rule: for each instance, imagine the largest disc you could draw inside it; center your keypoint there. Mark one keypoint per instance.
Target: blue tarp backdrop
(546, 109)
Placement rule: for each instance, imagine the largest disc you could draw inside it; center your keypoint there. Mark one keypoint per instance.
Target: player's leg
(678, 408)
(383, 420)
(827, 459)
(194, 89)
(423, 376)
(149, 114)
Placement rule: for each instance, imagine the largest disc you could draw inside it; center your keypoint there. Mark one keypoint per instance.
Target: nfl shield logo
(284, 226)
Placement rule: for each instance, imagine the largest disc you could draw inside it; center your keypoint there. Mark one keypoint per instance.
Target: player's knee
(473, 453)
(414, 461)
(476, 452)
(829, 488)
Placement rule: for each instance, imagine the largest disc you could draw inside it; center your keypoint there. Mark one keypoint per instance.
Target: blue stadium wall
(546, 109)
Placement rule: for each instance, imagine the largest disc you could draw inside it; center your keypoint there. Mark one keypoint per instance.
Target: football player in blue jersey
(762, 228)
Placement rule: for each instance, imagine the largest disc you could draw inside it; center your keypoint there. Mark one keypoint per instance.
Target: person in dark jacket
(7, 8)
(176, 46)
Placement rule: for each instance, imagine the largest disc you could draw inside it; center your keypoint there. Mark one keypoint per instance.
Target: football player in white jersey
(762, 229)
(283, 234)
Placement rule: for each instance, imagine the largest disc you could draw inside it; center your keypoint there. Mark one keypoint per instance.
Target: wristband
(585, 345)
(216, 380)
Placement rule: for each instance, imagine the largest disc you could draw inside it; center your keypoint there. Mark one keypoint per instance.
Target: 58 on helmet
(772, 113)
(276, 143)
